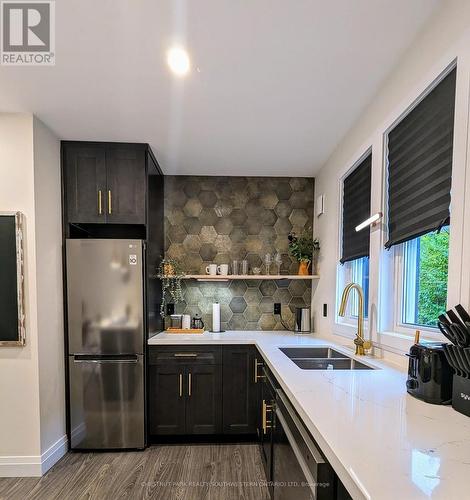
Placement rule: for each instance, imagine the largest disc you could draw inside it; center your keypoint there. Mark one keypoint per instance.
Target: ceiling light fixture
(178, 60)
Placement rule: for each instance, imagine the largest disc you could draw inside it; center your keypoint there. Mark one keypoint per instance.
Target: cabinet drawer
(200, 355)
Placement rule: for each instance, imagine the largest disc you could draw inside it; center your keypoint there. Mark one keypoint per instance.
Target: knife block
(461, 395)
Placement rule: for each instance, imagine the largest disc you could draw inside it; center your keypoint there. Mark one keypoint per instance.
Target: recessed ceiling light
(178, 60)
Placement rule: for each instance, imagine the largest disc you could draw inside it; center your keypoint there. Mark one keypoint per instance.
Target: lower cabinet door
(240, 401)
(167, 399)
(204, 398)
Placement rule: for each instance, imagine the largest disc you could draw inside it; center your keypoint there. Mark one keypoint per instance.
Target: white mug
(211, 269)
(222, 269)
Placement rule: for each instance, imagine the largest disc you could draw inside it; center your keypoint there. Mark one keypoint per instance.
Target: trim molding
(33, 465)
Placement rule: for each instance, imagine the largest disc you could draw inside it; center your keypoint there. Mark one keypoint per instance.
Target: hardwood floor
(193, 472)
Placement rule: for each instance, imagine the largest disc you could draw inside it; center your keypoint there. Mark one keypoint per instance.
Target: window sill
(395, 342)
(400, 342)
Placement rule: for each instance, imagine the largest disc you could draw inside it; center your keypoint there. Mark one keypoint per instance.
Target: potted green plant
(305, 249)
(171, 274)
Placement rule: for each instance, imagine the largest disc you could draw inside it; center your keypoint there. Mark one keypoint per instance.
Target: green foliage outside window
(432, 281)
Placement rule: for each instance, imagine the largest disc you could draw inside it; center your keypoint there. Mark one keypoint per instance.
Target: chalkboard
(11, 280)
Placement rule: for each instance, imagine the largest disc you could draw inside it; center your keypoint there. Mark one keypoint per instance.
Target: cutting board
(182, 330)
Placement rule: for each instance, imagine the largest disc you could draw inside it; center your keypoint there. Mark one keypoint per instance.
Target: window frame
(399, 326)
(347, 326)
(394, 325)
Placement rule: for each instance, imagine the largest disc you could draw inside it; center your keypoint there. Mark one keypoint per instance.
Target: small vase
(303, 268)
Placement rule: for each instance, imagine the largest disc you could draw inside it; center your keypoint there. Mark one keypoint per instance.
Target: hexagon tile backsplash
(220, 219)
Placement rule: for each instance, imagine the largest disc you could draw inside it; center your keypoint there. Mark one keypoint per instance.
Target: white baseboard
(53, 454)
(33, 466)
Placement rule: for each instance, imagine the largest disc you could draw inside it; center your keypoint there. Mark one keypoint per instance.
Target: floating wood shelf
(208, 277)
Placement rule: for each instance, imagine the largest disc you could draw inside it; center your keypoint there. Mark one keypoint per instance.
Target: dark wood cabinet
(185, 390)
(266, 410)
(168, 402)
(85, 183)
(126, 185)
(203, 408)
(205, 390)
(105, 182)
(240, 390)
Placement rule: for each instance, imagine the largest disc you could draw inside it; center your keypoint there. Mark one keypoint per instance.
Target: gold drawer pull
(181, 385)
(257, 363)
(189, 384)
(185, 355)
(100, 206)
(266, 423)
(110, 206)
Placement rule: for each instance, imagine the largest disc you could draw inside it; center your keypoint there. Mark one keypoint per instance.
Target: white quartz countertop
(382, 442)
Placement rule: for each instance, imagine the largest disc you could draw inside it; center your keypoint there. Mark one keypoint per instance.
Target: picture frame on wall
(12, 310)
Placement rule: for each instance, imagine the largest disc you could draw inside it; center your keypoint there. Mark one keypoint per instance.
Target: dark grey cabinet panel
(219, 391)
(126, 186)
(185, 390)
(167, 401)
(85, 171)
(266, 409)
(240, 391)
(203, 408)
(105, 182)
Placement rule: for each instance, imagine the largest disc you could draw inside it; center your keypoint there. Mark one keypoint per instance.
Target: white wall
(29, 427)
(47, 191)
(445, 38)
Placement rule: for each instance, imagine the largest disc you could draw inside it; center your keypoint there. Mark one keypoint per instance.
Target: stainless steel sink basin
(311, 352)
(330, 364)
(322, 358)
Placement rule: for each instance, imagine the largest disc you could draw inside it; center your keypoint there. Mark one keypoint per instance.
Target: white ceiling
(279, 83)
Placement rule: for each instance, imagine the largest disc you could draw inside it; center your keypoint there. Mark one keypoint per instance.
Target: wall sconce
(371, 221)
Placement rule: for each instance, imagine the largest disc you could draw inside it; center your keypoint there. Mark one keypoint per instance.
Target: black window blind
(356, 209)
(420, 166)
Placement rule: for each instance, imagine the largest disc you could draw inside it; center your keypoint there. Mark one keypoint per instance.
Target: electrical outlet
(277, 308)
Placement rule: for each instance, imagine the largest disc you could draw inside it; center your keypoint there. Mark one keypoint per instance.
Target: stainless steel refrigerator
(105, 311)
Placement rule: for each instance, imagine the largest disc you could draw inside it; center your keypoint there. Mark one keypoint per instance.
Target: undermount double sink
(322, 358)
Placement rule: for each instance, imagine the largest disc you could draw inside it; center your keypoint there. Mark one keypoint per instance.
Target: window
(354, 260)
(420, 152)
(357, 271)
(425, 265)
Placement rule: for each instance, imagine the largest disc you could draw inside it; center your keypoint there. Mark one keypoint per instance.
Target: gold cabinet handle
(189, 384)
(266, 423)
(100, 207)
(181, 385)
(110, 205)
(257, 363)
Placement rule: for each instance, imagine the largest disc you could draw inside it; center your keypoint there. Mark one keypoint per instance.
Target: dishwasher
(299, 470)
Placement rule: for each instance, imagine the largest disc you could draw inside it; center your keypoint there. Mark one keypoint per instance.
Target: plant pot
(168, 270)
(303, 268)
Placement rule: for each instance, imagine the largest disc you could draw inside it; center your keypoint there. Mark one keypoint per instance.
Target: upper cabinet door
(85, 181)
(126, 184)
